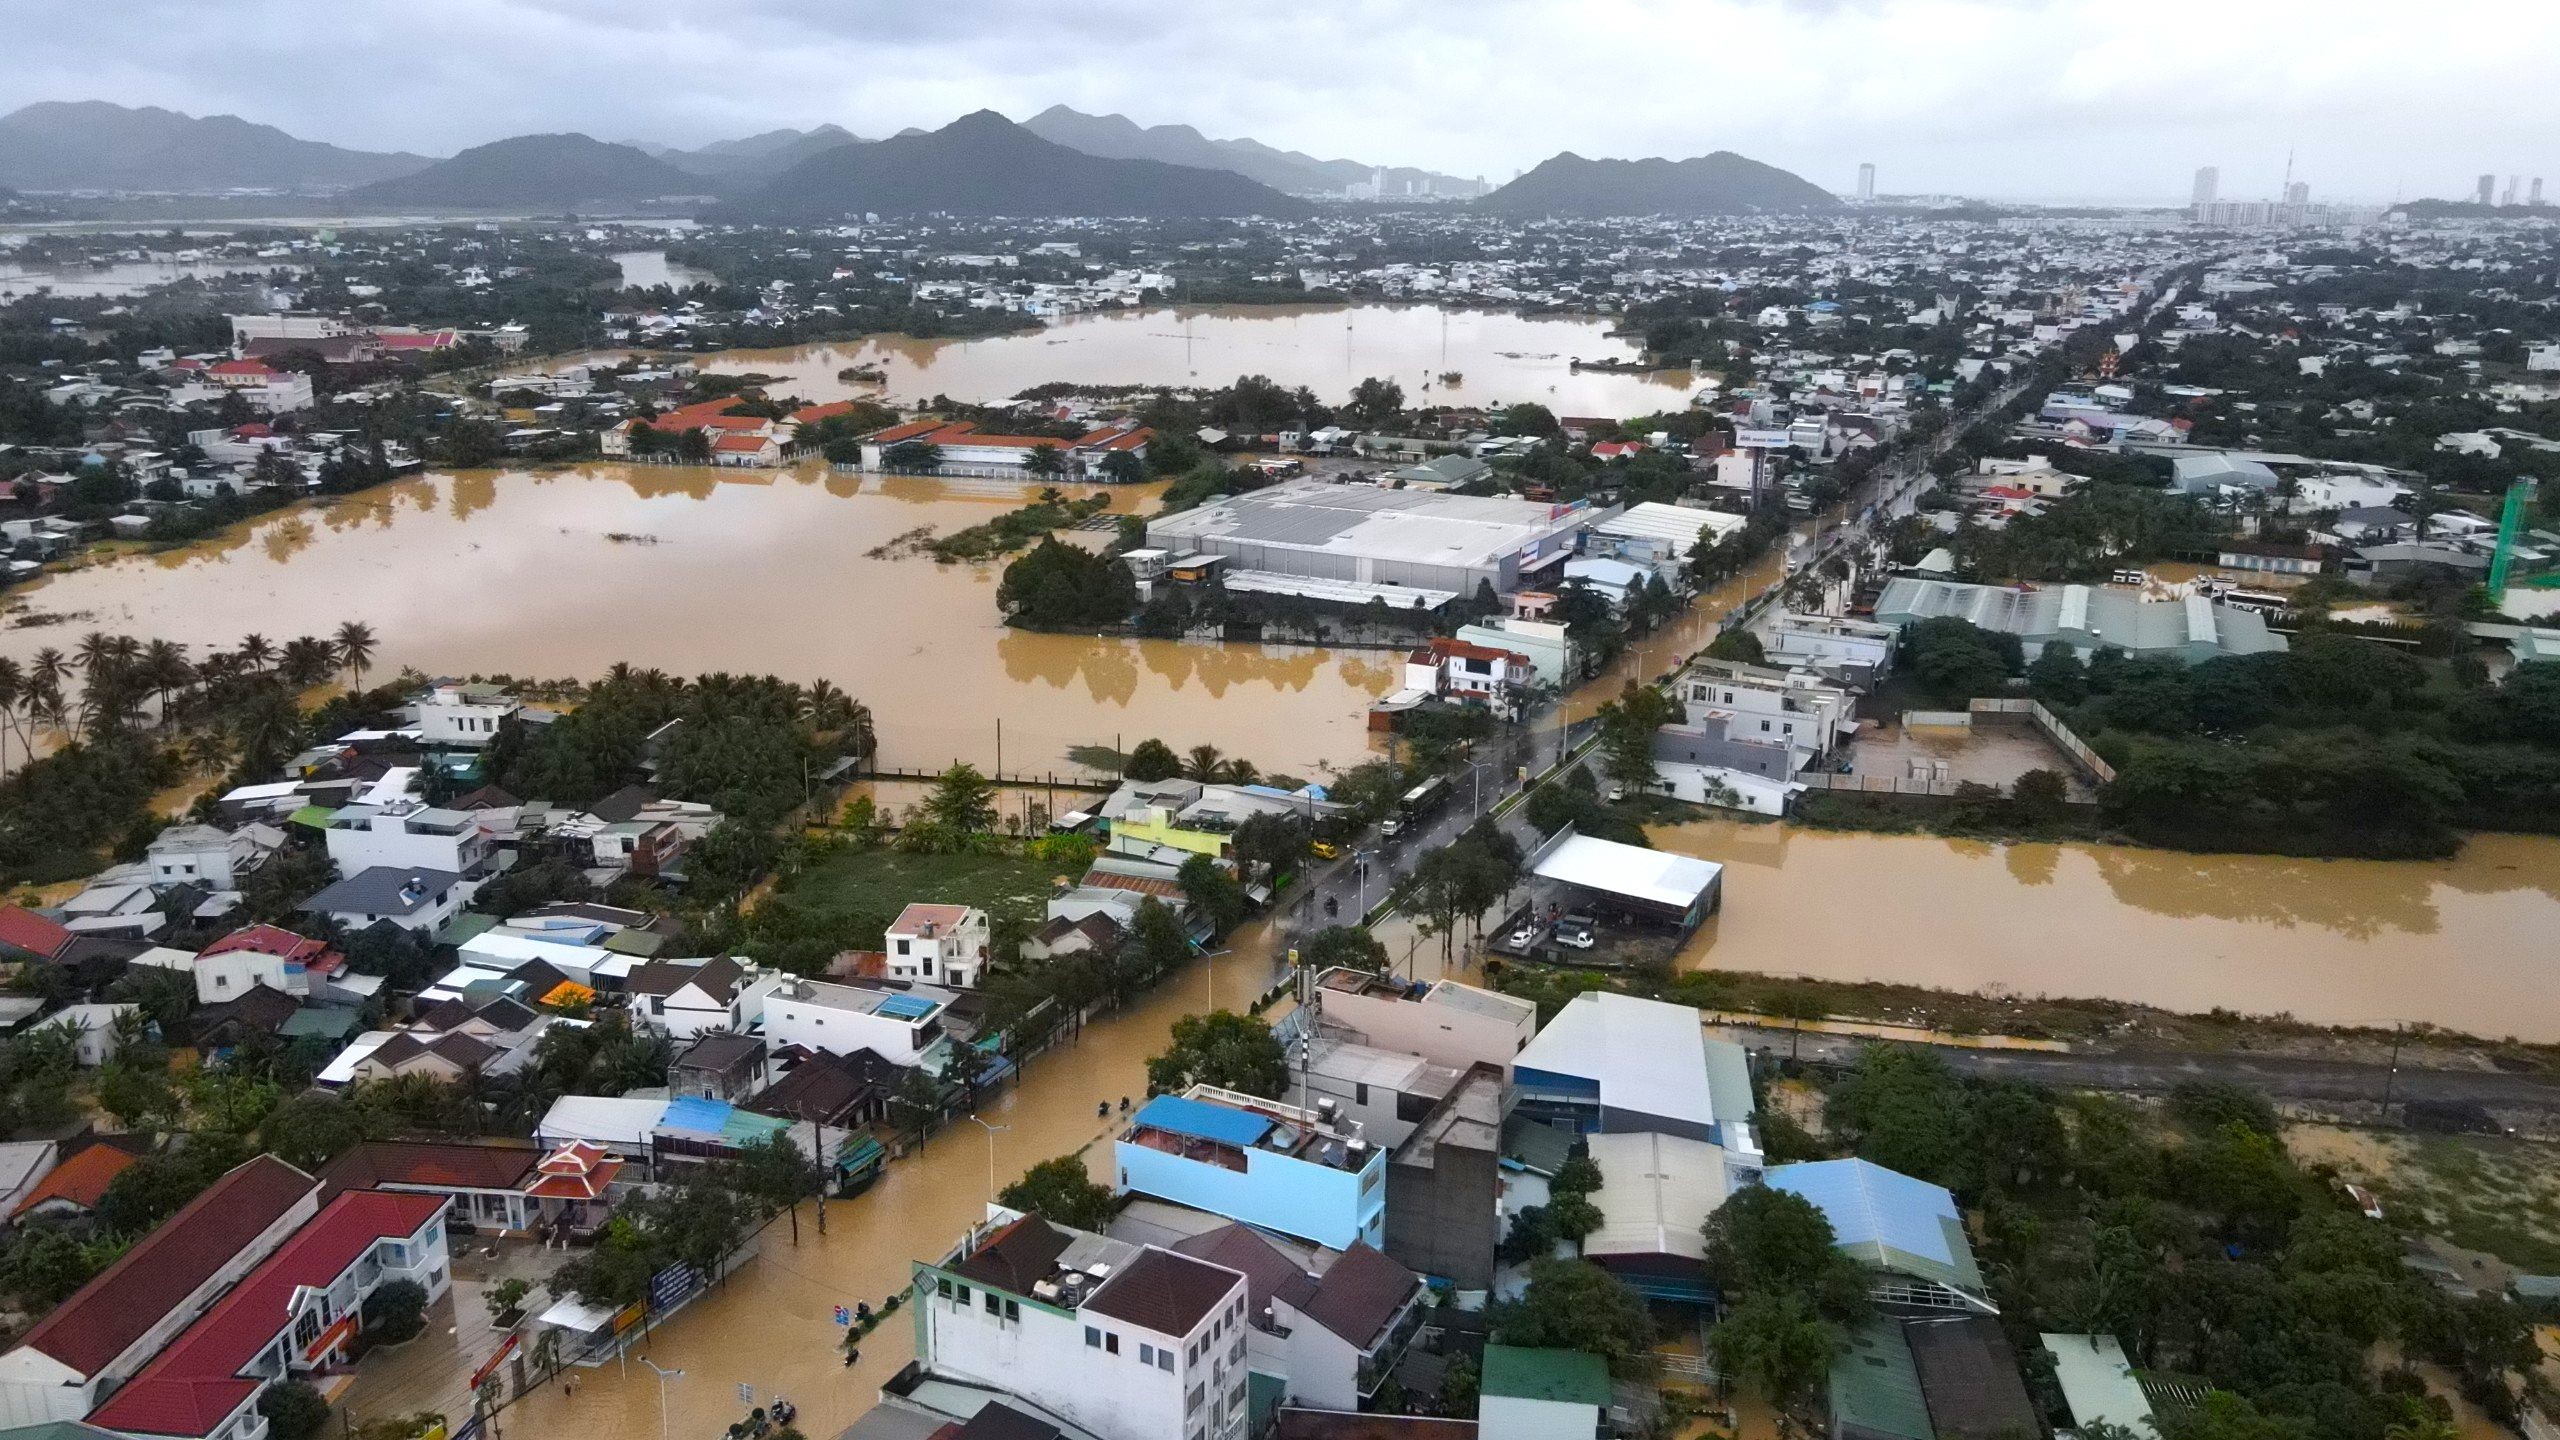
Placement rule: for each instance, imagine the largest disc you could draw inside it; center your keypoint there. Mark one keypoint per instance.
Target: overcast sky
(2097, 99)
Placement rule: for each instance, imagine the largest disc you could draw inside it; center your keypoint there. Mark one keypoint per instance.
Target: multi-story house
(1122, 1342)
(938, 944)
(1796, 709)
(897, 1023)
(1310, 1173)
(406, 835)
(467, 716)
(1444, 1021)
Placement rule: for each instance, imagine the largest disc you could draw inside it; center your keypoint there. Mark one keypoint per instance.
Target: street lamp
(991, 1152)
(664, 1376)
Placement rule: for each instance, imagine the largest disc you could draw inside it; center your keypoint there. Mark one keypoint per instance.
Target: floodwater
(646, 269)
(2332, 942)
(770, 1325)
(750, 571)
(1501, 358)
(125, 277)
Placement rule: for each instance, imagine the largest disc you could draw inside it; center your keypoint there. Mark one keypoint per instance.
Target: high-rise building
(2208, 184)
(2536, 197)
(2510, 198)
(1866, 182)
(2488, 188)
(2298, 193)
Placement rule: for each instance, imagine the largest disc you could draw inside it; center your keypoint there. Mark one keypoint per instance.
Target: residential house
(719, 1066)
(1297, 1170)
(686, 999)
(210, 856)
(482, 1182)
(1475, 674)
(71, 1191)
(1446, 1022)
(268, 956)
(1795, 709)
(1122, 1342)
(416, 899)
(464, 716)
(93, 1029)
(1445, 1183)
(899, 1023)
(938, 944)
(1857, 652)
(405, 834)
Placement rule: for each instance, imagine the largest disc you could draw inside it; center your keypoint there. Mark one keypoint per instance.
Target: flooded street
(2337, 942)
(770, 1325)
(740, 570)
(1501, 358)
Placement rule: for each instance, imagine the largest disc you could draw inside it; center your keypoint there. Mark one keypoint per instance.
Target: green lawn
(880, 883)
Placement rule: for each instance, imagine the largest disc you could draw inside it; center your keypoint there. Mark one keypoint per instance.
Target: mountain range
(1721, 183)
(753, 159)
(94, 145)
(984, 164)
(1117, 137)
(533, 172)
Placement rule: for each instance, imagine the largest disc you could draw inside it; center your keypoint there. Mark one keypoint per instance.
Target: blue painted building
(1298, 1172)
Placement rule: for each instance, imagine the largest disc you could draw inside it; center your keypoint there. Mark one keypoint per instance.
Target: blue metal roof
(697, 1113)
(1205, 1121)
(1870, 1205)
(907, 1007)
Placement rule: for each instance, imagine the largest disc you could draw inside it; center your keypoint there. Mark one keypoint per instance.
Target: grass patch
(870, 887)
(1941, 815)
(2486, 1193)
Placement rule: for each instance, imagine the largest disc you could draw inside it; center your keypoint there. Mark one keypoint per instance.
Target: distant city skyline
(1945, 96)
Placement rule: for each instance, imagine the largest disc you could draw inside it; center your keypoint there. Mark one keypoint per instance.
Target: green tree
(1375, 403)
(1738, 644)
(294, 1411)
(1152, 760)
(1351, 946)
(2040, 796)
(395, 1311)
(1575, 1305)
(1044, 461)
(1221, 1048)
(2057, 677)
(1627, 726)
(1775, 1345)
(1060, 1191)
(962, 801)
(1212, 893)
(1766, 1240)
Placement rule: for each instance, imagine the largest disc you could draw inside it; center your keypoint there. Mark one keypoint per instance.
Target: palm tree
(355, 648)
(210, 753)
(44, 685)
(1202, 763)
(306, 660)
(255, 651)
(97, 649)
(13, 688)
(165, 669)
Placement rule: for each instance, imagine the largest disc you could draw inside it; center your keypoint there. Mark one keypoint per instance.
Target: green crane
(2509, 522)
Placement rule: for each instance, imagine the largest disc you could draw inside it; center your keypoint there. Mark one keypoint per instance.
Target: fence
(2054, 730)
(1876, 784)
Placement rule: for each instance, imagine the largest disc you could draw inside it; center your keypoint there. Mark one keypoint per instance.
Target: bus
(1419, 802)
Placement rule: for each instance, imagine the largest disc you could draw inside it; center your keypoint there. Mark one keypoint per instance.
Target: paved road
(2153, 1073)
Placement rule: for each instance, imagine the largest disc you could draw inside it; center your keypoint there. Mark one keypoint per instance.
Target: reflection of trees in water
(2495, 864)
(1727, 842)
(1366, 676)
(472, 494)
(2033, 864)
(2360, 899)
(284, 540)
(660, 482)
(1107, 667)
(1221, 666)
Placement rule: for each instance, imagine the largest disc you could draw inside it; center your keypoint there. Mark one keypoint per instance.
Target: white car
(1524, 937)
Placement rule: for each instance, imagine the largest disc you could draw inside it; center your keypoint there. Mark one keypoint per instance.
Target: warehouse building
(2085, 617)
(1348, 542)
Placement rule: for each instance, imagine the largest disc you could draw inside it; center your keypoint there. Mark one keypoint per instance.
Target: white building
(208, 855)
(1445, 1022)
(1795, 708)
(938, 944)
(262, 955)
(898, 1025)
(1122, 1342)
(1549, 652)
(1832, 644)
(688, 999)
(406, 835)
(464, 715)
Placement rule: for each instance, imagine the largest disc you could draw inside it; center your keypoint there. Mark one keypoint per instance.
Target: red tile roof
(430, 340)
(451, 1164)
(23, 929)
(904, 430)
(139, 1290)
(1612, 449)
(741, 444)
(242, 367)
(196, 1382)
(811, 414)
(695, 416)
(283, 944)
(81, 1180)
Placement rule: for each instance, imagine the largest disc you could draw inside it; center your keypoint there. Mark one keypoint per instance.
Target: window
(306, 1328)
(1236, 1351)
(1110, 1344)
(995, 1303)
(1764, 727)
(1013, 1311)
(1360, 1092)
(1146, 1354)
(1164, 1361)
(942, 1287)
(964, 1294)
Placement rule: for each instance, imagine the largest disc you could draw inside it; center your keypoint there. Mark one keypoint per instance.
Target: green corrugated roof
(1536, 1146)
(315, 816)
(1573, 1377)
(328, 1022)
(745, 1126)
(1263, 1394)
(1875, 1387)
(644, 943)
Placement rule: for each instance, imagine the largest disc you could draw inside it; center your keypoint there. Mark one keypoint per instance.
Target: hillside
(754, 159)
(533, 172)
(94, 145)
(984, 164)
(1722, 183)
(1117, 137)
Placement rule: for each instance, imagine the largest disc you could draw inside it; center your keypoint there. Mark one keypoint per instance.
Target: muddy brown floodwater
(1500, 358)
(2333, 942)
(740, 570)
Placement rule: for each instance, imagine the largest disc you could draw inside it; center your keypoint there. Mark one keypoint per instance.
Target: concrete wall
(1294, 1197)
(1444, 1218)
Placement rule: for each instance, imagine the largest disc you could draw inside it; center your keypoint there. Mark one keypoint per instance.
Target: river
(742, 570)
(647, 269)
(1501, 358)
